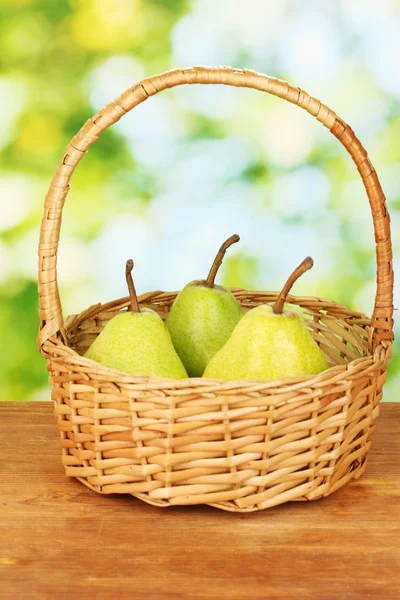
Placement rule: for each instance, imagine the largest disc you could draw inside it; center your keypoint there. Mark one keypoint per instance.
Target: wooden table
(59, 539)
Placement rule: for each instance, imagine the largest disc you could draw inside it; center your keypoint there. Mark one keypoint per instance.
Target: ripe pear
(203, 317)
(137, 341)
(270, 342)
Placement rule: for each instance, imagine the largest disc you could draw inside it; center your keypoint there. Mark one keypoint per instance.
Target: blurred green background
(193, 165)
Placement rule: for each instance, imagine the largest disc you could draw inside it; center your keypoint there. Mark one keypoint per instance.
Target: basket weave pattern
(243, 445)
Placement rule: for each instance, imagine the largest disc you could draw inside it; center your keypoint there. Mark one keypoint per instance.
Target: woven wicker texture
(243, 445)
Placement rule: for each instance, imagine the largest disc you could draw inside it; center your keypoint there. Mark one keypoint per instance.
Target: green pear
(137, 341)
(203, 317)
(270, 342)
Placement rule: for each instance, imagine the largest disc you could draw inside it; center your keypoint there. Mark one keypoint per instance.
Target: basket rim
(147, 382)
(55, 342)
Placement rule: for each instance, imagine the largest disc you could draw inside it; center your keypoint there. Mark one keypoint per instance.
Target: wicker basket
(242, 445)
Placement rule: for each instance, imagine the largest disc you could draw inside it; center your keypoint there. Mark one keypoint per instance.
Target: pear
(203, 317)
(270, 342)
(137, 341)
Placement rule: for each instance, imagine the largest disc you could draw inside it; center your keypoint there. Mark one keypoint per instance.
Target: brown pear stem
(134, 305)
(219, 258)
(298, 272)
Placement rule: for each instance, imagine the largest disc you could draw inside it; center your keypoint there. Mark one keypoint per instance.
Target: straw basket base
(240, 446)
(354, 473)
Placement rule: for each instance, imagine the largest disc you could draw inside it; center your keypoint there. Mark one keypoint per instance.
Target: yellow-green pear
(202, 317)
(137, 341)
(270, 342)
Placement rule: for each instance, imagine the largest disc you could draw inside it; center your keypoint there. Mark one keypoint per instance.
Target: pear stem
(134, 305)
(298, 272)
(219, 258)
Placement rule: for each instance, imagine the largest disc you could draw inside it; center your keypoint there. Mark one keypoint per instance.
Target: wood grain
(60, 539)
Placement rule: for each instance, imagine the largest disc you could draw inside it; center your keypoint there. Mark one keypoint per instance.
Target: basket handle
(50, 311)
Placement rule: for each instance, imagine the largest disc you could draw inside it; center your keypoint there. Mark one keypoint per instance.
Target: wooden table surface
(59, 539)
